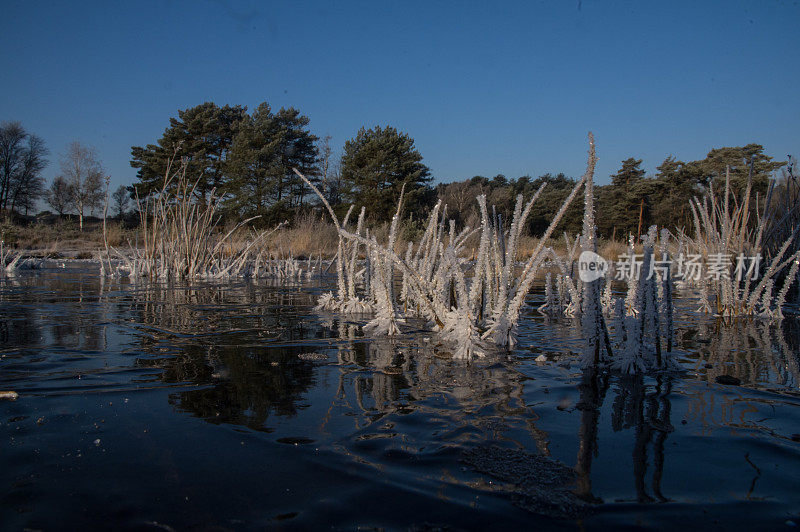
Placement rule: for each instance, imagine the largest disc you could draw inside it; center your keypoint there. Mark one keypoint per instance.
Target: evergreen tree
(203, 135)
(675, 185)
(296, 149)
(623, 200)
(253, 164)
(266, 148)
(712, 168)
(376, 164)
(552, 197)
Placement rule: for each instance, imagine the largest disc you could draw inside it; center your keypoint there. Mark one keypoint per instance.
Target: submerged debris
(538, 484)
(728, 379)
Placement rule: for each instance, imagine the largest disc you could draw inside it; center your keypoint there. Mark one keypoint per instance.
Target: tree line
(79, 187)
(632, 202)
(247, 160)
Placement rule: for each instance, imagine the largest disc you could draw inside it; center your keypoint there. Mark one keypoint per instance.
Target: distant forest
(247, 160)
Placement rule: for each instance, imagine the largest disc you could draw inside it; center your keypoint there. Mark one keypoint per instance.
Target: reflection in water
(245, 386)
(752, 351)
(256, 358)
(758, 354)
(411, 373)
(593, 387)
(241, 345)
(644, 407)
(27, 325)
(648, 412)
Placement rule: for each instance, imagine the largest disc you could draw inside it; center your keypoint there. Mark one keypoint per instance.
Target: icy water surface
(236, 406)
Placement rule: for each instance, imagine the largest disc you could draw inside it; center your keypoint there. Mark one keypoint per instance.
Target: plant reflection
(644, 407)
(753, 352)
(592, 387)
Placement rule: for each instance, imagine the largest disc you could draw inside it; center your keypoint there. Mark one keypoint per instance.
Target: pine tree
(675, 185)
(203, 135)
(296, 149)
(253, 164)
(375, 166)
(266, 148)
(713, 168)
(625, 195)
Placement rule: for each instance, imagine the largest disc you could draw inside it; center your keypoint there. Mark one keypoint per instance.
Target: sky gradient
(483, 90)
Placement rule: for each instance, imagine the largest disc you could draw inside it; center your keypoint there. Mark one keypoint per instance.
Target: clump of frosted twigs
(723, 233)
(645, 315)
(275, 266)
(181, 239)
(477, 311)
(345, 300)
(9, 259)
(12, 261)
(472, 313)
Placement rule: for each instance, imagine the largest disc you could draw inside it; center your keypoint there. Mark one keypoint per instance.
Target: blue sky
(510, 88)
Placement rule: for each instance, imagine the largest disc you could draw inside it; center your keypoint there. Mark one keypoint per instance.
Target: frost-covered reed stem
(597, 347)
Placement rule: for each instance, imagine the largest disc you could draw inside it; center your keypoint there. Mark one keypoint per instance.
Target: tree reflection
(235, 341)
(65, 312)
(245, 385)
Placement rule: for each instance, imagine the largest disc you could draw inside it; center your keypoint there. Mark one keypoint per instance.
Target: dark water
(236, 406)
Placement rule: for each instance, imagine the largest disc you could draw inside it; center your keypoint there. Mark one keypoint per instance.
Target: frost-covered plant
(9, 259)
(647, 306)
(723, 231)
(666, 290)
(607, 299)
(633, 281)
(552, 306)
(387, 316)
(345, 299)
(597, 346)
(470, 313)
(180, 236)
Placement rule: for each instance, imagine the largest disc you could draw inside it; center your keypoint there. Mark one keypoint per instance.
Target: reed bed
(9, 259)
(724, 231)
(180, 238)
(469, 285)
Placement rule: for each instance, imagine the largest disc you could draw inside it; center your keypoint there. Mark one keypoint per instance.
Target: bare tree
(59, 196)
(12, 137)
(460, 200)
(27, 184)
(329, 170)
(121, 197)
(84, 174)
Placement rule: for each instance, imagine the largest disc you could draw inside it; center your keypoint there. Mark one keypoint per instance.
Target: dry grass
(64, 237)
(308, 236)
(614, 249)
